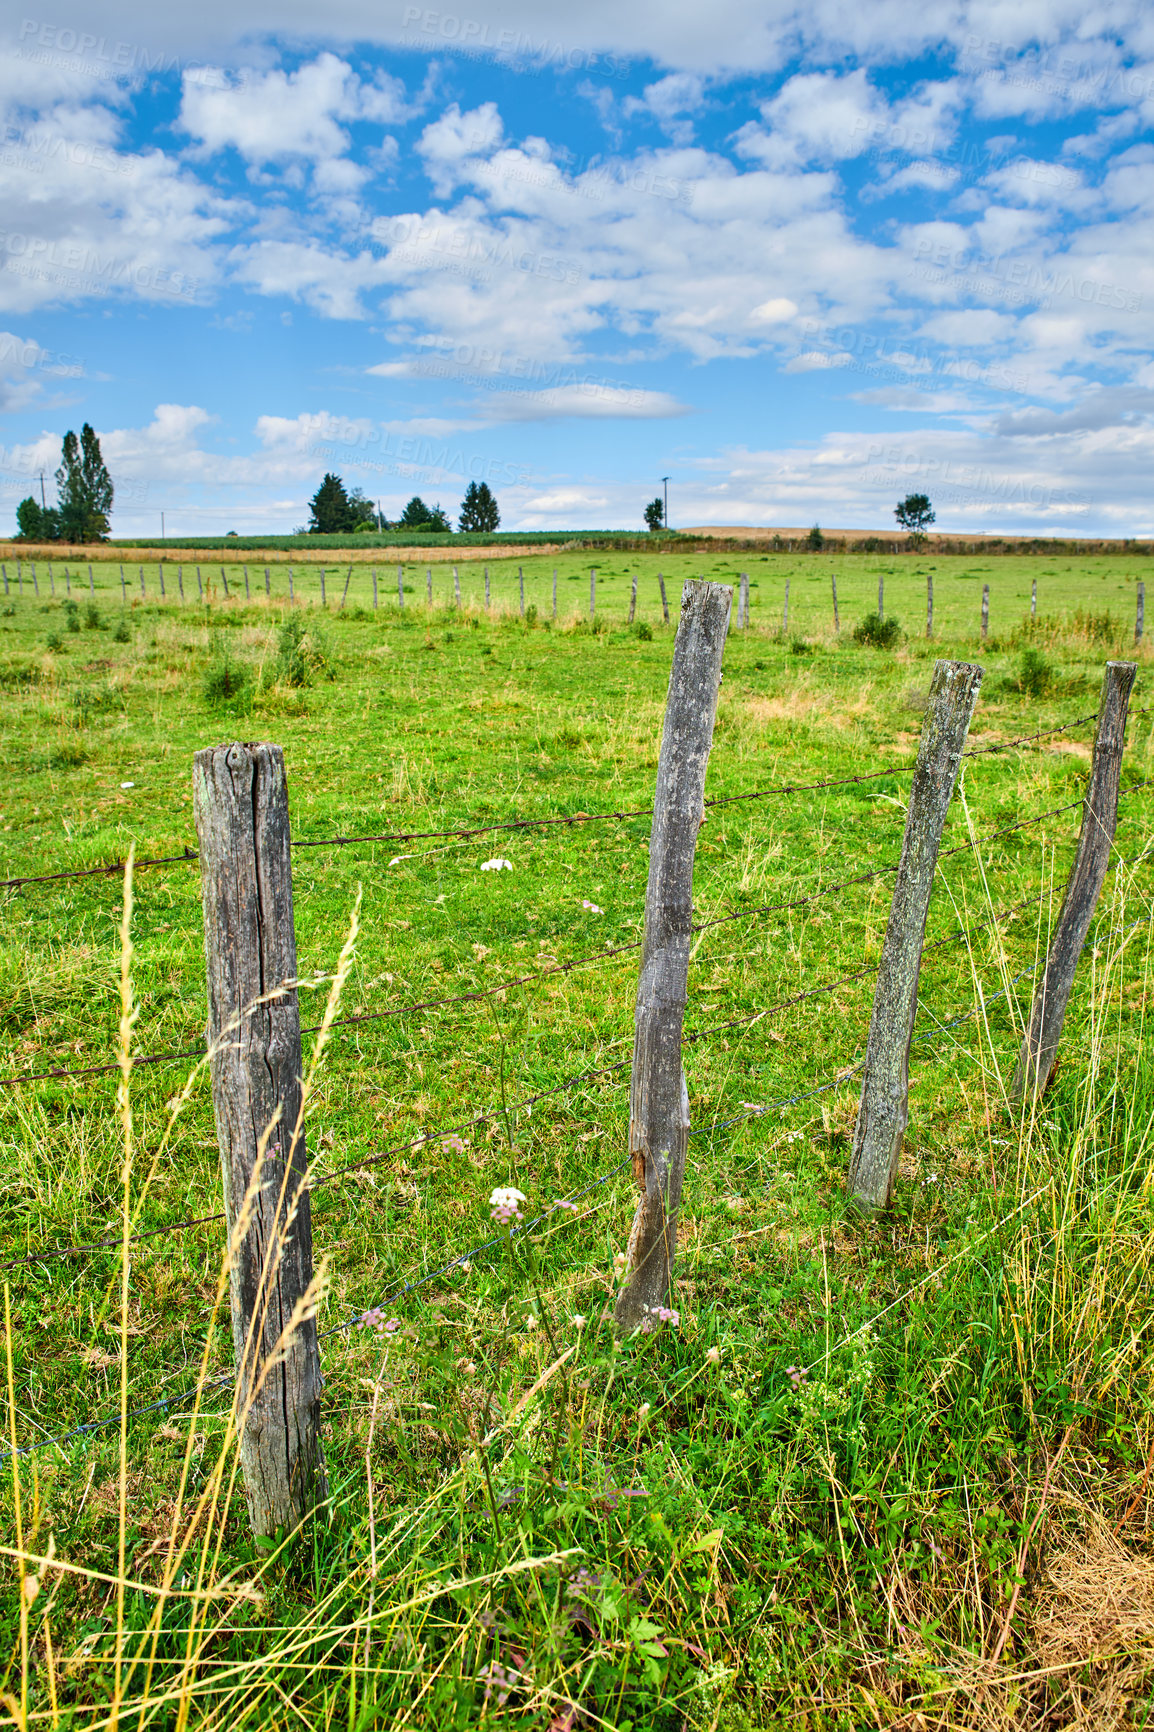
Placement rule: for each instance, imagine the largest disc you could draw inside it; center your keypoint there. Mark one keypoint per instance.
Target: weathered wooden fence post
(224, 580)
(659, 1100)
(123, 587)
(985, 611)
(200, 585)
(554, 594)
(1099, 817)
(345, 590)
(1140, 615)
(143, 592)
(91, 583)
(664, 601)
(785, 611)
(881, 595)
(521, 581)
(247, 589)
(633, 600)
(929, 604)
(883, 1110)
(592, 592)
(267, 585)
(487, 588)
(292, 597)
(456, 588)
(836, 620)
(324, 600)
(375, 600)
(240, 799)
(429, 587)
(744, 604)
(1034, 599)
(160, 575)
(401, 587)
(179, 580)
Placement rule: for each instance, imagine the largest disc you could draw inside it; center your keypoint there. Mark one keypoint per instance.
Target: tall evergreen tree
(83, 488)
(418, 515)
(479, 513)
(330, 511)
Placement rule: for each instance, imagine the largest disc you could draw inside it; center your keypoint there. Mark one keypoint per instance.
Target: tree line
(334, 510)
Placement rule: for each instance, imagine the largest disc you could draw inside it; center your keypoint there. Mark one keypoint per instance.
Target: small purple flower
(591, 906)
(454, 1145)
(660, 1314)
(796, 1375)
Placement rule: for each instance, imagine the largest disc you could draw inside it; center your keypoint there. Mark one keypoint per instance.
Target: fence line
(691, 1039)
(191, 854)
(373, 1313)
(476, 994)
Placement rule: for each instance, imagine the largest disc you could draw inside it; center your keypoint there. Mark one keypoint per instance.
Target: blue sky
(802, 260)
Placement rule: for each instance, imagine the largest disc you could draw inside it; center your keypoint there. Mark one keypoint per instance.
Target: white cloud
(447, 145)
(593, 400)
(670, 102)
(279, 117)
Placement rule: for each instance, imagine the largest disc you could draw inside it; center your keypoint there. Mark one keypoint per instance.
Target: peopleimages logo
(413, 453)
(70, 264)
(1020, 278)
(477, 36)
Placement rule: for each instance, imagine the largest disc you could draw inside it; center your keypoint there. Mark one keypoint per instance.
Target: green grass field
(882, 1474)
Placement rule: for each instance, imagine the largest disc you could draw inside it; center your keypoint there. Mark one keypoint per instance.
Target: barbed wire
(566, 1205)
(190, 855)
(526, 1105)
(477, 994)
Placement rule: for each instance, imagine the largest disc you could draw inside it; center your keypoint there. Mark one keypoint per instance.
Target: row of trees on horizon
(85, 492)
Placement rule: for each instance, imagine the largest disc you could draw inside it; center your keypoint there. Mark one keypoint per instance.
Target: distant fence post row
(241, 809)
(741, 621)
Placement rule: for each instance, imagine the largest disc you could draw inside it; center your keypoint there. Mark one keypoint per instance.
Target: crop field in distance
(892, 1473)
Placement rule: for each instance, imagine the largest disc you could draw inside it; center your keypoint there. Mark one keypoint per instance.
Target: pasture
(875, 1474)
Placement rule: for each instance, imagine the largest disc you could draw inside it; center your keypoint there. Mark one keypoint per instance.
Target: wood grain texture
(240, 799)
(883, 1110)
(1099, 818)
(659, 1101)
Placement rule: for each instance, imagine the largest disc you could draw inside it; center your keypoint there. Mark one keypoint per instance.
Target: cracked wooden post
(240, 800)
(833, 585)
(929, 604)
(1099, 816)
(633, 600)
(664, 599)
(883, 1110)
(659, 1100)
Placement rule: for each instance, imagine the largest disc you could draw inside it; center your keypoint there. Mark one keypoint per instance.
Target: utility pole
(162, 526)
(43, 501)
(665, 486)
